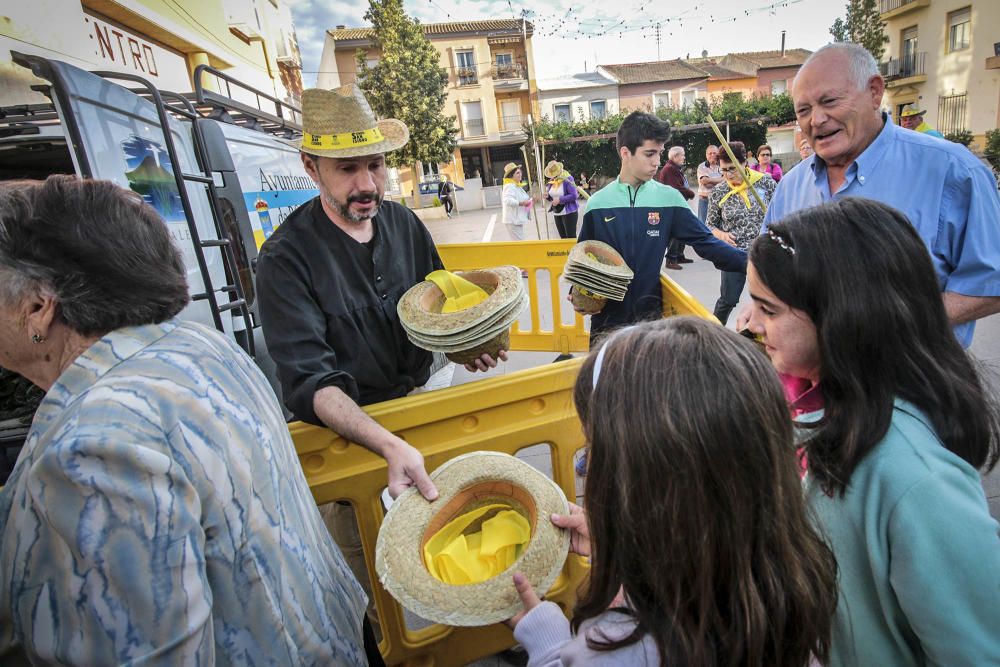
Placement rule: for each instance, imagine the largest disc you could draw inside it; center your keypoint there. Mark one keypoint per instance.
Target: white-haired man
(948, 195)
(672, 175)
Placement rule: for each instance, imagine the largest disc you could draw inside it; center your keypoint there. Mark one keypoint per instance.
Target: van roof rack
(266, 114)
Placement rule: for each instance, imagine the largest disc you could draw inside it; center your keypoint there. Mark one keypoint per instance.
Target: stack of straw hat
(597, 273)
(464, 335)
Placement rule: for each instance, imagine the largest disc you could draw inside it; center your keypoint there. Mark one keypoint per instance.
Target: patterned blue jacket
(158, 514)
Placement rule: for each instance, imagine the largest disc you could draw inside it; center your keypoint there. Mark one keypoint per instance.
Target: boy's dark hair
(639, 127)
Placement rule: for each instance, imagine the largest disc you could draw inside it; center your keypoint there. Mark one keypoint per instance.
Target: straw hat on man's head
(553, 169)
(911, 110)
(340, 123)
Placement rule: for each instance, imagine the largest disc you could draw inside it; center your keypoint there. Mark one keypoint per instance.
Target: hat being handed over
(340, 123)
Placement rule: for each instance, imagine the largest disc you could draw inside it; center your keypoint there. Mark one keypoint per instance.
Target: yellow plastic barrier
(534, 257)
(502, 414)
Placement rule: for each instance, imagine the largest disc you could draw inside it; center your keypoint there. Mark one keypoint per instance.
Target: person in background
(583, 185)
(735, 216)
(516, 202)
(158, 513)
(672, 174)
(562, 195)
(446, 194)
(708, 177)
(638, 216)
(764, 164)
(805, 150)
(912, 118)
(847, 305)
(702, 549)
(951, 199)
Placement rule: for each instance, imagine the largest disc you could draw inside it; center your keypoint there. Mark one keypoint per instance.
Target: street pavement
(701, 279)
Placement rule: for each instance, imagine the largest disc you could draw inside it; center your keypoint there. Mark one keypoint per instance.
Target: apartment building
(251, 40)
(576, 97)
(675, 83)
(492, 90)
(944, 56)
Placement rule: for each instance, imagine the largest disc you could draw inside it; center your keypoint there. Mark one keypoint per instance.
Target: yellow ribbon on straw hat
(459, 293)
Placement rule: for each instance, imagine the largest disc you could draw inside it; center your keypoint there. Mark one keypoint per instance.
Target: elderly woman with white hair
(157, 512)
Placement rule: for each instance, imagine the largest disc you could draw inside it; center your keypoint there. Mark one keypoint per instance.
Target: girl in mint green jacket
(846, 303)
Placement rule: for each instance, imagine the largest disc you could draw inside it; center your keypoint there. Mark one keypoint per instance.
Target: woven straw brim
(416, 308)
(395, 132)
(491, 347)
(589, 304)
(465, 482)
(456, 341)
(554, 172)
(613, 264)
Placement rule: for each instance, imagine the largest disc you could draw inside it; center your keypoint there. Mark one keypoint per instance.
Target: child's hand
(579, 532)
(529, 599)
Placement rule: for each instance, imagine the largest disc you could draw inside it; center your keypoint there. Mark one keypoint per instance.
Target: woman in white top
(516, 202)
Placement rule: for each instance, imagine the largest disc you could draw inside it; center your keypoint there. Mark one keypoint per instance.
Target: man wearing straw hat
(912, 118)
(328, 281)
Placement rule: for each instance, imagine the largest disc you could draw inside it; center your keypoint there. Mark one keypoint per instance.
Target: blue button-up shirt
(946, 192)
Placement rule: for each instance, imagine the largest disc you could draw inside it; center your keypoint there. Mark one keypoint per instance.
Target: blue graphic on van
(152, 176)
(271, 207)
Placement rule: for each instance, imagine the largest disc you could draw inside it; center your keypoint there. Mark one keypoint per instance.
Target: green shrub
(992, 151)
(963, 137)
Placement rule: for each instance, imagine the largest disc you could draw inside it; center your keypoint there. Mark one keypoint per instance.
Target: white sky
(568, 34)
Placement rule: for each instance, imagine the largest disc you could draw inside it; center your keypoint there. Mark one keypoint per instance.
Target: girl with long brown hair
(702, 550)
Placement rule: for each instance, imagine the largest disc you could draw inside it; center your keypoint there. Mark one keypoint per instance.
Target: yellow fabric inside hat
(459, 293)
(455, 558)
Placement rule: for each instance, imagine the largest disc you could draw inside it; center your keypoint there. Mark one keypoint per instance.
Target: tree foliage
(992, 150)
(407, 83)
(748, 122)
(863, 26)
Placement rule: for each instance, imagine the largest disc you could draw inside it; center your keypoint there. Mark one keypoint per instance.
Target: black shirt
(328, 306)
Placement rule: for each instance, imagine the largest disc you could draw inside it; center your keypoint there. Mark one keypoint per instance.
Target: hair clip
(781, 242)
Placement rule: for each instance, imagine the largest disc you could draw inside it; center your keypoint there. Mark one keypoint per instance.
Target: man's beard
(344, 209)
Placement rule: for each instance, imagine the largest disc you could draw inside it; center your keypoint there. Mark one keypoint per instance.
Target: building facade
(492, 91)
(163, 41)
(578, 97)
(944, 56)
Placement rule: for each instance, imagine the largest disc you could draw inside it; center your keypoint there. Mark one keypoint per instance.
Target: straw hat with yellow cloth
(451, 561)
(340, 123)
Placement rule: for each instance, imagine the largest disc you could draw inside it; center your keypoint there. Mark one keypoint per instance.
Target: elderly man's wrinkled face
(838, 119)
(352, 187)
(712, 155)
(911, 122)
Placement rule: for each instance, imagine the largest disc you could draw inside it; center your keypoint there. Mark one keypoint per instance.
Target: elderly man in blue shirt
(949, 196)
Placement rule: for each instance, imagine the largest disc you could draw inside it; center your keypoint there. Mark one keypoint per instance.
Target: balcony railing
(474, 128)
(509, 71)
(467, 76)
(513, 123)
(889, 5)
(901, 68)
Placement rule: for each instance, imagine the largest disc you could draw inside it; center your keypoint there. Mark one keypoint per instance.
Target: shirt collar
(94, 363)
(864, 165)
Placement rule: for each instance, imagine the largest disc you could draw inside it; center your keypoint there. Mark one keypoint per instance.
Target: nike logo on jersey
(607, 219)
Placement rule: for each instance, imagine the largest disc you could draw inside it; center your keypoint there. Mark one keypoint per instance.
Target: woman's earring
(37, 338)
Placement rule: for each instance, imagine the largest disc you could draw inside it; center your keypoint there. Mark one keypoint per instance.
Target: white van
(221, 173)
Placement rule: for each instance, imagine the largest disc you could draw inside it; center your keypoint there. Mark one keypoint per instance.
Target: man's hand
(529, 599)
(485, 362)
(569, 297)
(406, 469)
(724, 236)
(579, 532)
